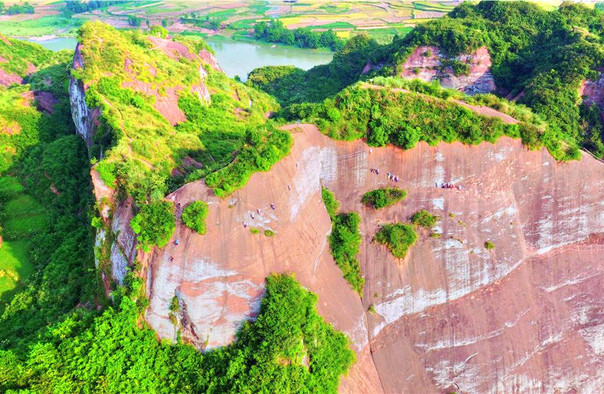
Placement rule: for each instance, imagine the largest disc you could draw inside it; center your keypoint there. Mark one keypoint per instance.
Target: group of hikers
(391, 176)
(273, 207)
(449, 185)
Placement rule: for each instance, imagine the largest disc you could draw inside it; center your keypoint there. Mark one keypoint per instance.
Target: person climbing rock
(177, 242)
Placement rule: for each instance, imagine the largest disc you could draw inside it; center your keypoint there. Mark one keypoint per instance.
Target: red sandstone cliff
(525, 316)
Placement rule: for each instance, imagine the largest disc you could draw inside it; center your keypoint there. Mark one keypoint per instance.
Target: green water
(239, 58)
(57, 44)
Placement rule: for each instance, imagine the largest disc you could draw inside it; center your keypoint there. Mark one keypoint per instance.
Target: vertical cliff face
(84, 118)
(452, 315)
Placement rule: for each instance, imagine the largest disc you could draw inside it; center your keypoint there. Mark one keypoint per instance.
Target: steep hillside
(441, 318)
(146, 104)
(19, 59)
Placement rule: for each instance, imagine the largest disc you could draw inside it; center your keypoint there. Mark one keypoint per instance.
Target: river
(235, 57)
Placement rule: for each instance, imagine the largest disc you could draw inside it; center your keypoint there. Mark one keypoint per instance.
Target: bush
(259, 154)
(269, 233)
(345, 242)
(489, 245)
(154, 224)
(331, 204)
(397, 237)
(423, 218)
(254, 230)
(194, 216)
(383, 197)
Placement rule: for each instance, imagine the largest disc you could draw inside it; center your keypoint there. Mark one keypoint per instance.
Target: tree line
(275, 31)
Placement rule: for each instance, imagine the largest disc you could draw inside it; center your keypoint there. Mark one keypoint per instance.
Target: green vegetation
(148, 155)
(77, 6)
(275, 31)
(390, 116)
(18, 53)
(17, 8)
(544, 54)
(345, 241)
(331, 204)
(269, 233)
(489, 245)
(424, 218)
(288, 348)
(154, 224)
(254, 230)
(194, 216)
(397, 237)
(292, 85)
(383, 197)
(260, 152)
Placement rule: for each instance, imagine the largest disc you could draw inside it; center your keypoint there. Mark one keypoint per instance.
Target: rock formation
(526, 315)
(426, 63)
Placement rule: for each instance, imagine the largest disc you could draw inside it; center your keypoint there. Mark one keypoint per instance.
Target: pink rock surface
(524, 316)
(425, 63)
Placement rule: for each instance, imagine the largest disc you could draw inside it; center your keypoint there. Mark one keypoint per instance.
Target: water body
(240, 58)
(57, 44)
(235, 57)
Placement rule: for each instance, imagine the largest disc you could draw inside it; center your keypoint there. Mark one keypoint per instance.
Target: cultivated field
(380, 19)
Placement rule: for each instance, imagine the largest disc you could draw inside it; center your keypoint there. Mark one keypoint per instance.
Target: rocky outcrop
(453, 315)
(592, 92)
(85, 119)
(428, 63)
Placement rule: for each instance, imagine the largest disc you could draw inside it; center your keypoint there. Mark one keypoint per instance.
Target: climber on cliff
(176, 242)
(273, 206)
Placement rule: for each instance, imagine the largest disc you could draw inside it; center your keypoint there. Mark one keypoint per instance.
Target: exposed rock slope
(428, 63)
(525, 316)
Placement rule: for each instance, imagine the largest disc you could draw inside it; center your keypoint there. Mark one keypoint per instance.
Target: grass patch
(383, 197)
(397, 237)
(14, 265)
(194, 216)
(424, 218)
(254, 230)
(269, 233)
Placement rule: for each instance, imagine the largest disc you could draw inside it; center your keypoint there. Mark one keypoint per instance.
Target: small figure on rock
(177, 242)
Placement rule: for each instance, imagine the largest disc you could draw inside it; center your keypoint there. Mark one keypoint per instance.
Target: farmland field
(381, 20)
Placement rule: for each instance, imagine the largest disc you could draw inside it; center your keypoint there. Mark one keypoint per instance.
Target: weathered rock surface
(526, 316)
(592, 92)
(426, 63)
(85, 119)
